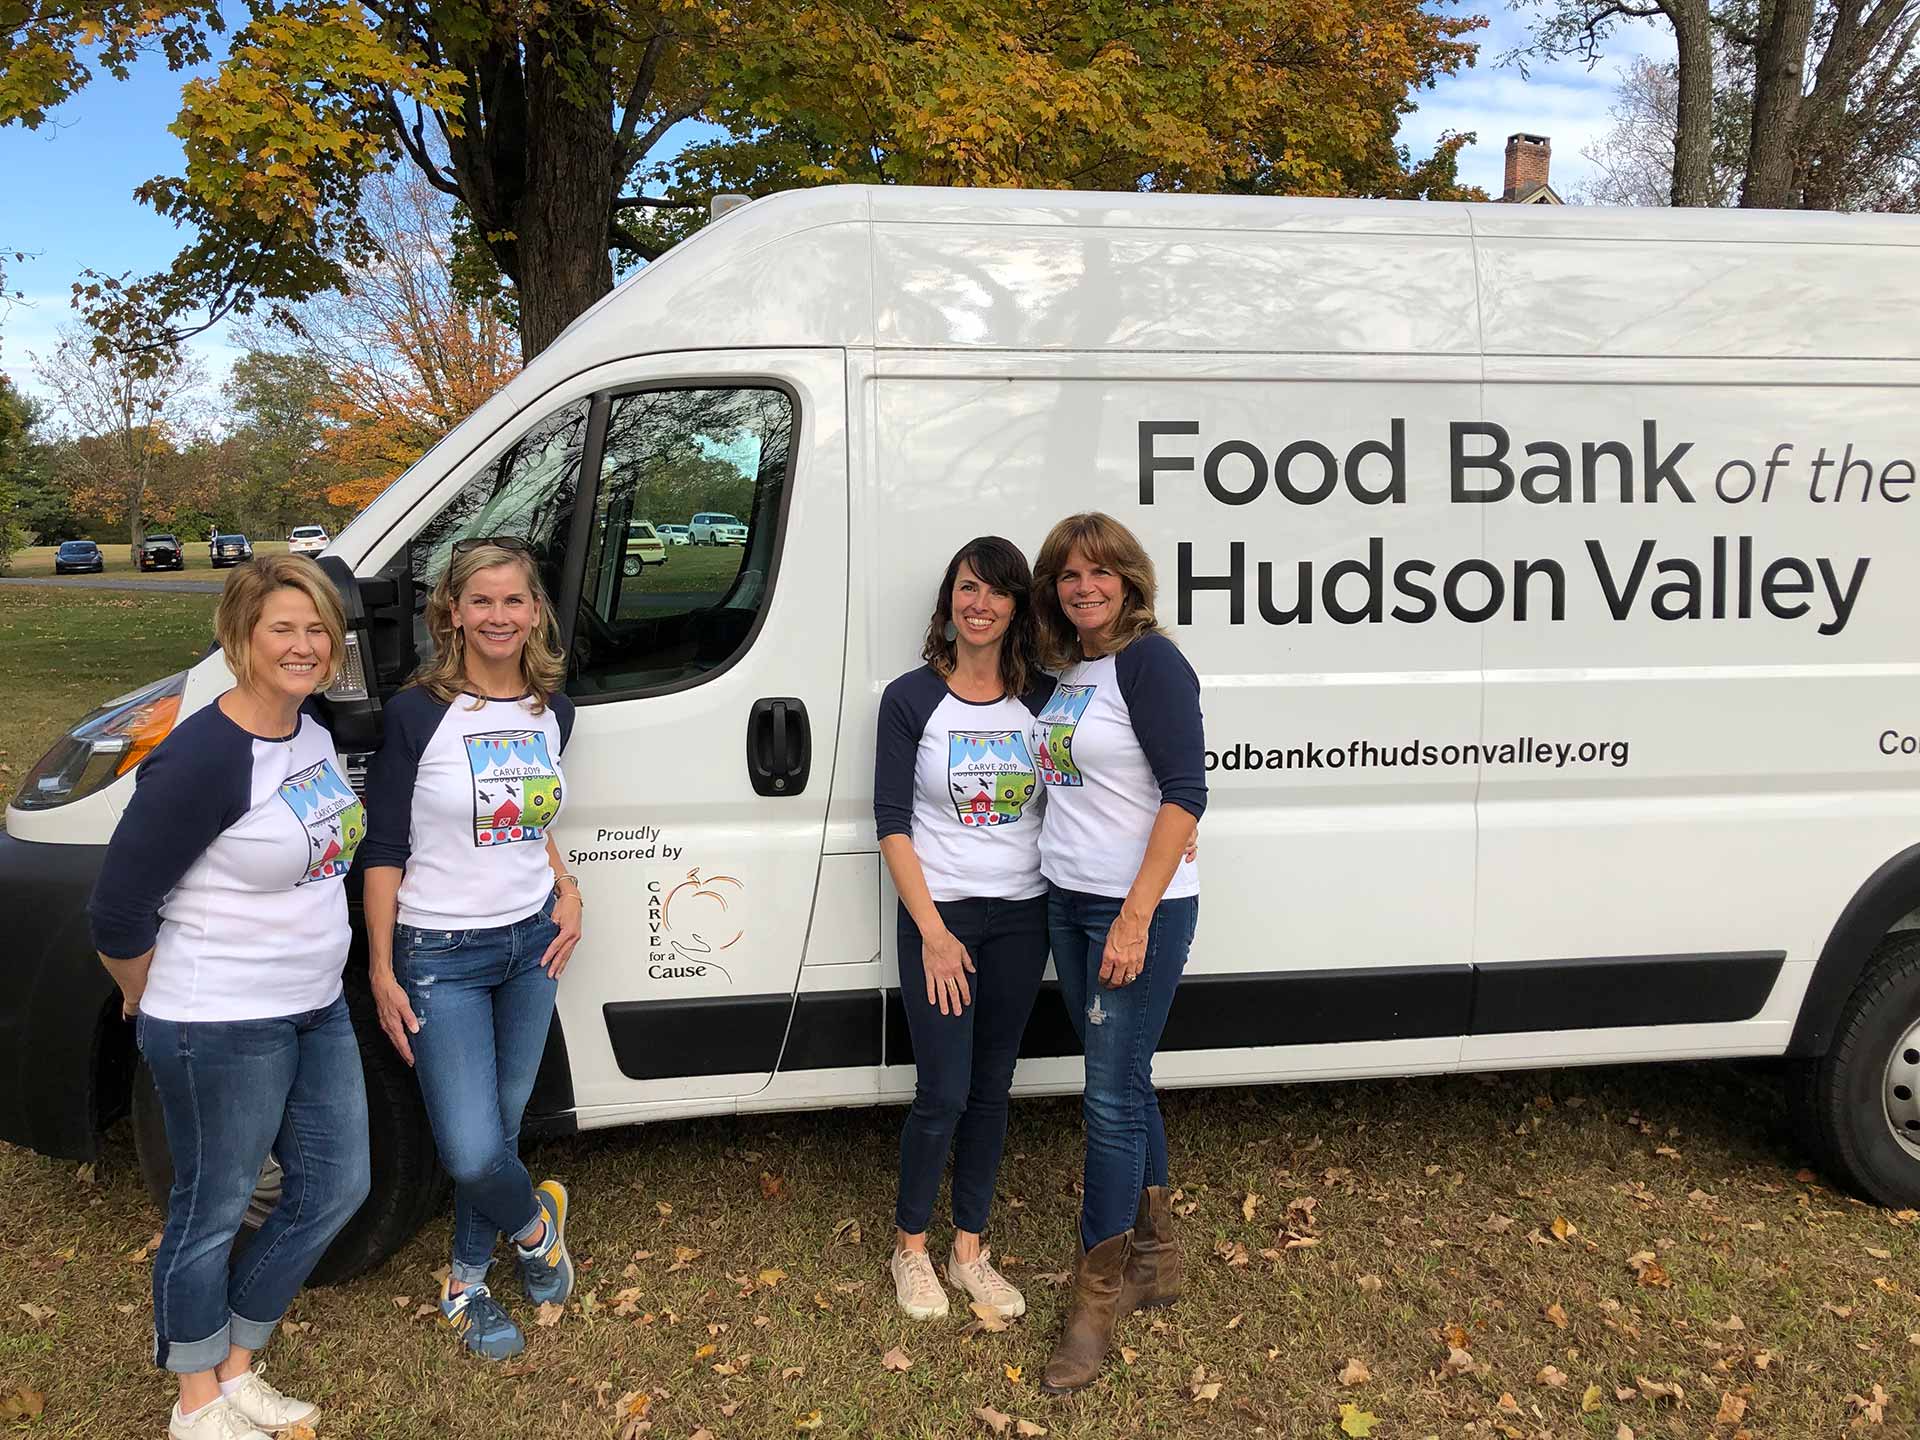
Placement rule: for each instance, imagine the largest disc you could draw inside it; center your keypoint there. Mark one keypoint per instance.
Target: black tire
(1844, 1101)
(409, 1187)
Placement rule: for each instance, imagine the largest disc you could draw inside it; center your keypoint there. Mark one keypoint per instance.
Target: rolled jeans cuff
(468, 1274)
(251, 1334)
(190, 1357)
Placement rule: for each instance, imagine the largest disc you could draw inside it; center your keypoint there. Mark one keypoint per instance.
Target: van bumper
(65, 1055)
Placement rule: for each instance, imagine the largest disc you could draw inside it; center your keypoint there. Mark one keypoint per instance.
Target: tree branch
(647, 249)
(654, 202)
(415, 145)
(641, 88)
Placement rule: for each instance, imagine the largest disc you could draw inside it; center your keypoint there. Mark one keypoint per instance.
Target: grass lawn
(1565, 1254)
(64, 652)
(37, 561)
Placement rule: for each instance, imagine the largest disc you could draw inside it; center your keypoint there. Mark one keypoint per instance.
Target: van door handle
(779, 746)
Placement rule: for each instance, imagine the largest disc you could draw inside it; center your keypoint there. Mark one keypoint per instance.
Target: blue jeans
(966, 1061)
(1119, 1030)
(231, 1091)
(484, 1007)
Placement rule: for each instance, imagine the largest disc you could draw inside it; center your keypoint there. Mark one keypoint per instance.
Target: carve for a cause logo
(697, 909)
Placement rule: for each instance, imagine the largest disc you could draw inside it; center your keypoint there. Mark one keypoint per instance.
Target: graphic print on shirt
(1053, 734)
(332, 816)
(516, 792)
(990, 775)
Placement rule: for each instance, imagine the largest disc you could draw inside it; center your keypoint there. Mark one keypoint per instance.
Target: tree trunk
(1779, 62)
(560, 224)
(1693, 117)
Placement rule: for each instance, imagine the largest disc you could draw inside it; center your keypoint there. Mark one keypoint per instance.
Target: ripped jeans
(1119, 1030)
(484, 1007)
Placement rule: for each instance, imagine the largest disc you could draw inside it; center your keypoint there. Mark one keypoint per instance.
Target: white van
(1552, 576)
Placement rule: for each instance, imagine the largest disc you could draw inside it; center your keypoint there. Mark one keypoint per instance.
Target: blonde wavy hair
(1104, 541)
(543, 663)
(244, 598)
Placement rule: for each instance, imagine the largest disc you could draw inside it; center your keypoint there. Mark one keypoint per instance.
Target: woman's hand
(397, 1019)
(1125, 955)
(947, 965)
(566, 914)
(130, 1000)
(1193, 844)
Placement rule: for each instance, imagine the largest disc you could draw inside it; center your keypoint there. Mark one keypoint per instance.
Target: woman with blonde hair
(471, 914)
(221, 913)
(1120, 751)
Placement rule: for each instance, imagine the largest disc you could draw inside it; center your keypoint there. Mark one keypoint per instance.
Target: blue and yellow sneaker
(482, 1325)
(547, 1270)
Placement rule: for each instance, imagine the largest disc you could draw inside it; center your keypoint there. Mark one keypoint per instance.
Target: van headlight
(104, 746)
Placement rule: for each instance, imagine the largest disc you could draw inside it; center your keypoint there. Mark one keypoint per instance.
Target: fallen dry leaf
(896, 1360)
(1356, 1422)
(23, 1405)
(1248, 1204)
(38, 1313)
(550, 1314)
(986, 1317)
(809, 1421)
(1563, 1229)
(1872, 1409)
(1591, 1400)
(1128, 1354)
(1028, 1428)
(1557, 1313)
(1877, 1253)
(995, 1420)
(772, 1187)
(1012, 1372)
(1648, 1270)
(1845, 1312)
(1656, 1390)
(145, 1252)
(1458, 1362)
(1497, 1224)
(1355, 1373)
(1369, 1284)
(1732, 1407)
(847, 1232)
(1623, 1431)
(1551, 1376)
(770, 1278)
(1234, 1323)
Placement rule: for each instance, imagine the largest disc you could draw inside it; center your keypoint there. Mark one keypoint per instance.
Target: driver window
(661, 610)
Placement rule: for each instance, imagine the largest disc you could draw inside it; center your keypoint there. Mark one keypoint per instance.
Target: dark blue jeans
(966, 1061)
(231, 1091)
(484, 1007)
(1119, 1030)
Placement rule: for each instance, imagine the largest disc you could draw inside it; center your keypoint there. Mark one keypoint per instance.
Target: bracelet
(576, 887)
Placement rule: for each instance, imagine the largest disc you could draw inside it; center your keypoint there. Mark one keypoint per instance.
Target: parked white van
(1552, 576)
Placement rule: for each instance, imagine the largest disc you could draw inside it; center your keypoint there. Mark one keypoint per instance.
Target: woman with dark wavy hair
(954, 799)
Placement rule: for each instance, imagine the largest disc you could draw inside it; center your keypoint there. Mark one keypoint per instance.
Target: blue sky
(70, 184)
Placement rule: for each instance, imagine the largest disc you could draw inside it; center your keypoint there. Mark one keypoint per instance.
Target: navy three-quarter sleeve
(1039, 692)
(562, 709)
(410, 719)
(1163, 701)
(904, 708)
(195, 784)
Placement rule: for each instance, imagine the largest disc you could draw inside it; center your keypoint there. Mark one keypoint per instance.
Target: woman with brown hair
(221, 913)
(953, 801)
(1123, 762)
(471, 914)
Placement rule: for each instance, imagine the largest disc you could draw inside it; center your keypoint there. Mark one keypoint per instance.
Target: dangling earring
(952, 632)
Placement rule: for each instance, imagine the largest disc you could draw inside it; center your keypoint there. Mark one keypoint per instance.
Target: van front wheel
(1860, 1102)
(409, 1187)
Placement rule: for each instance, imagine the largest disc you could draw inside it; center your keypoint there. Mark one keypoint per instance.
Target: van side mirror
(352, 702)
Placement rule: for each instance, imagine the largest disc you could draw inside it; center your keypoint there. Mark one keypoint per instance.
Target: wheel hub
(1902, 1088)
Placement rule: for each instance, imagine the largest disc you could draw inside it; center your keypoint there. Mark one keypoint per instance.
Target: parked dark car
(79, 557)
(225, 550)
(160, 552)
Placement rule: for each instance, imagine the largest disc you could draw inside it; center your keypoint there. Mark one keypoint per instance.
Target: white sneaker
(217, 1421)
(267, 1408)
(915, 1285)
(987, 1285)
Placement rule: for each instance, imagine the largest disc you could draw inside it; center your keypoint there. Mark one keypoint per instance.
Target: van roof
(907, 268)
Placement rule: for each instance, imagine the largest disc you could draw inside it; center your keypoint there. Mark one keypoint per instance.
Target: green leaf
(1355, 1421)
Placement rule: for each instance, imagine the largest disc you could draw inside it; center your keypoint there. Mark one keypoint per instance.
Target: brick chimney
(1528, 157)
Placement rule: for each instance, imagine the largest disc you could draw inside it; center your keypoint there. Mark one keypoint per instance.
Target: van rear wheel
(1859, 1104)
(409, 1187)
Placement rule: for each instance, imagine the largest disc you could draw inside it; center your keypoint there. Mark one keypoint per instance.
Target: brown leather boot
(1082, 1351)
(1153, 1262)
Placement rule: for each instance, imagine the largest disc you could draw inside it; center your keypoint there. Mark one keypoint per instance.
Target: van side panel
(1337, 895)
(1735, 664)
